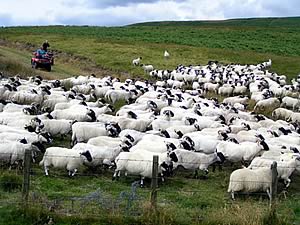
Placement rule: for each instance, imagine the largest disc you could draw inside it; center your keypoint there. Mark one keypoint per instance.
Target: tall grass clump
(245, 213)
(11, 67)
(10, 182)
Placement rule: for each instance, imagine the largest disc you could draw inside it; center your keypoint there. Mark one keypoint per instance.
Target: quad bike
(42, 62)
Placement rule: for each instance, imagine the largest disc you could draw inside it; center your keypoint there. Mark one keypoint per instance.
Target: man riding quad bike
(42, 59)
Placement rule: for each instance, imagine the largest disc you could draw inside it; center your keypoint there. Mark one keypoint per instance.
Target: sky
(123, 12)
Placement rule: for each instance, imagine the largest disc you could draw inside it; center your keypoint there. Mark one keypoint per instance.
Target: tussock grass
(11, 67)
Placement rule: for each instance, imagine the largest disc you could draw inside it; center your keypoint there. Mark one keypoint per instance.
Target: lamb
(249, 180)
(64, 158)
(136, 61)
(147, 68)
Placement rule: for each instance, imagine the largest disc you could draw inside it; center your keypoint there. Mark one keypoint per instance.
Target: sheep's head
(173, 157)
(170, 146)
(130, 138)
(88, 155)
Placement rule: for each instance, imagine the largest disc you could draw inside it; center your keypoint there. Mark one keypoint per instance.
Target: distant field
(113, 48)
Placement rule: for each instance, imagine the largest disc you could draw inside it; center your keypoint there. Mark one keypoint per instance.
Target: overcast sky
(122, 12)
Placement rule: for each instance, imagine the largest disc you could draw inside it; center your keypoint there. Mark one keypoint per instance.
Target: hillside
(249, 22)
(245, 41)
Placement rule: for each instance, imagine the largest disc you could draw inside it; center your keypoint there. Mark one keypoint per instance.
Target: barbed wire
(144, 160)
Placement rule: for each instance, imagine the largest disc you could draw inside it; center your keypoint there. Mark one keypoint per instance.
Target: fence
(127, 201)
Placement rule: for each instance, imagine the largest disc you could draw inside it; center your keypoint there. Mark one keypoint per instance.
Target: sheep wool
(248, 180)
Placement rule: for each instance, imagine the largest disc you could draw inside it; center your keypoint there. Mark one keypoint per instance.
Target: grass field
(113, 48)
(109, 51)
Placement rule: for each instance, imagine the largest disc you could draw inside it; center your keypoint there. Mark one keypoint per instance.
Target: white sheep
(79, 115)
(136, 61)
(57, 127)
(294, 117)
(14, 151)
(281, 113)
(285, 165)
(166, 54)
(244, 151)
(194, 160)
(140, 163)
(105, 141)
(290, 102)
(147, 68)
(64, 158)
(104, 155)
(83, 131)
(266, 103)
(248, 180)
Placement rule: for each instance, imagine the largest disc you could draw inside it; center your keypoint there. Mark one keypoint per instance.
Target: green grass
(109, 51)
(181, 200)
(113, 48)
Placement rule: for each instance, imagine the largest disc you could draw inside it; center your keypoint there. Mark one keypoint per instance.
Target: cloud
(115, 12)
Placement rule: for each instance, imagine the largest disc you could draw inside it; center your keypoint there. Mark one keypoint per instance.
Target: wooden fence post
(154, 181)
(26, 178)
(273, 191)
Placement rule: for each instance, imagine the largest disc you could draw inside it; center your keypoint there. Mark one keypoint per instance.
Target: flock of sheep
(169, 117)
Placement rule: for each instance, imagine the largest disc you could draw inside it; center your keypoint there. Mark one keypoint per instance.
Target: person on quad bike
(45, 45)
(40, 53)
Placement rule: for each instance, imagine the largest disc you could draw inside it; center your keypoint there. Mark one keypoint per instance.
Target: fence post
(273, 191)
(154, 181)
(26, 178)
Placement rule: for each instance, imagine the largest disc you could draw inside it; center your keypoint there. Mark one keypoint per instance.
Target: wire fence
(128, 201)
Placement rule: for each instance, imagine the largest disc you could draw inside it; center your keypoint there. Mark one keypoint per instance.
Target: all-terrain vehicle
(42, 62)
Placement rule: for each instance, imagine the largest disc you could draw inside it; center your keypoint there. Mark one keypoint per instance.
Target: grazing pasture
(113, 48)
(174, 115)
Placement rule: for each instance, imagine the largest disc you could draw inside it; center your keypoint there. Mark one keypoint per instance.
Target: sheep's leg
(46, 170)
(269, 193)
(74, 171)
(287, 182)
(115, 175)
(142, 182)
(232, 195)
